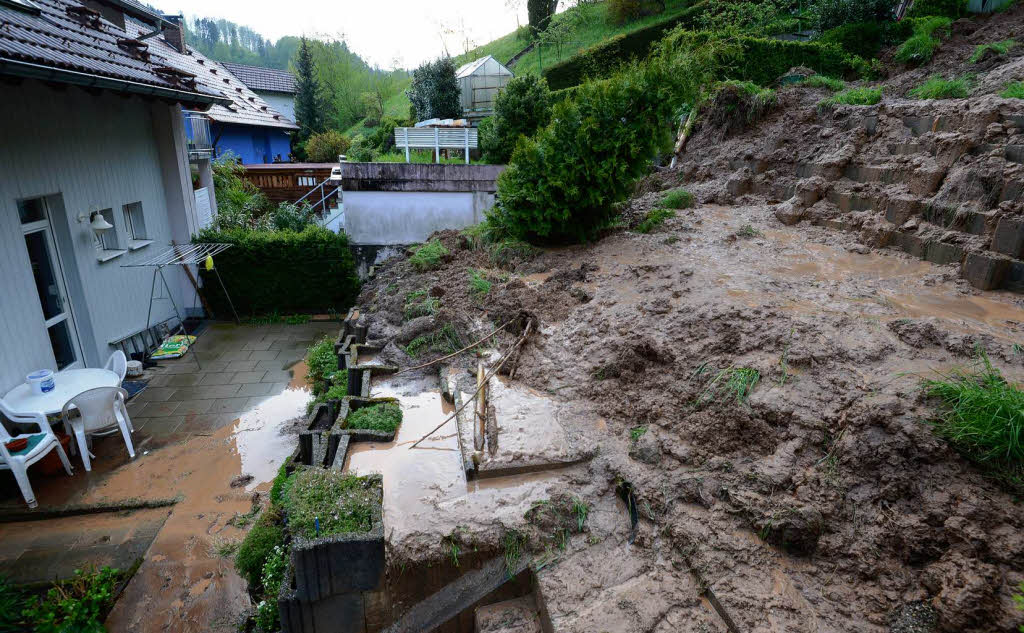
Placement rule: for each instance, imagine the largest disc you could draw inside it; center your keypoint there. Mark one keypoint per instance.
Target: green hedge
(601, 60)
(866, 39)
(946, 8)
(281, 272)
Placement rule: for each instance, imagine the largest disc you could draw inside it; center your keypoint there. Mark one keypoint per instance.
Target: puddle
(300, 371)
(536, 278)
(978, 309)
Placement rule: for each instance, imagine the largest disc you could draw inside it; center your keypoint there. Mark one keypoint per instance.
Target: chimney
(174, 34)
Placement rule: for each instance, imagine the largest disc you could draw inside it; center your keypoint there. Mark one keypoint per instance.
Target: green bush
(522, 107)
(678, 199)
(1013, 90)
(428, 256)
(835, 13)
(561, 184)
(982, 51)
(982, 416)
(654, 219)
(921, 46)
(385, 416)
(267, 614)
(77, 605)
(312, 271)
(434, 91)
(257, 546)
(938, 88)
(240, 204)
(854, 96)
(866, 39)
(821, 81)
(361, 150)
(321, 362)
(946, 8)
(735, 105)
(293, 217)
(341, 503)
(337, 391)
(326, 146)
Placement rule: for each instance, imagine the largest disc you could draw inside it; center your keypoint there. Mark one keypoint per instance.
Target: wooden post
(481, 406)
(437, 146)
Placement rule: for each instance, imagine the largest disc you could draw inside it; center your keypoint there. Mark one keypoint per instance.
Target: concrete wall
(394, 217)
(253, 144)
(83, 152)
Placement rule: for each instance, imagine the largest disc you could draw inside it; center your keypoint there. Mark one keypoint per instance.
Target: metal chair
(100, 409)
(38, 445)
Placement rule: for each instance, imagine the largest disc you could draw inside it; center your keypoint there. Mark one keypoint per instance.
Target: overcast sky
(382, 32)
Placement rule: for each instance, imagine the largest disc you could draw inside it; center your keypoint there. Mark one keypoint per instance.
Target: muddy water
(183, 583)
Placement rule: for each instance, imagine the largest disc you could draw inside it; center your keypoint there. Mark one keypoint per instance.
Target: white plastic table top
(67, 384)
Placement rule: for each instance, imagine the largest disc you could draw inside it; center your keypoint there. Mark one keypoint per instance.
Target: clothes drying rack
(182, 255)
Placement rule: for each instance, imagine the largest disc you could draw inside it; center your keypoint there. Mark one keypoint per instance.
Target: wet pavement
(195, 432)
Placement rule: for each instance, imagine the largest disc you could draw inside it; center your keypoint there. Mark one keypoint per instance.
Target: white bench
(436, 138)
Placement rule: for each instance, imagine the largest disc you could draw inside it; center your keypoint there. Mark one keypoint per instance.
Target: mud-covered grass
(938, 87)
(654, 219)
(983, 417)
(321, 502)
(445, 341)
(821, 81)
(731, 383)
(479, 285)
(418, 303)
(1013, 90)
(428, 256)
(927, 38)
(385, 416)
(678, 199)
(862, 96)
(983, 51)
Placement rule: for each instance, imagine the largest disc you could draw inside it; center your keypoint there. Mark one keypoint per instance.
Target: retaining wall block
(1008, 238)
(941, 253)
(985, 272)
(1014, 277)
(909, 243)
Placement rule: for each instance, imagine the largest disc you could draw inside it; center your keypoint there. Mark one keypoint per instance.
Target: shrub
(982, 416)
(1013, 90)
(654, 219)
(326, 146)
(257, 546)
(240, 204)
(12, 603)
(834, 13)
(982, 51)
(434, 91)
(938, 88)
(946, 8)
(321, 362)
(361, 150)
(678, 199)
(821, 81)
(293, 217)
(921, 46)
(522, 107)
(561, 184)
(311, 271)
(385, 416)
(866, 39)
(341, 503)
(267, 614)
(853, 96)
(428, 256)
(79, 604)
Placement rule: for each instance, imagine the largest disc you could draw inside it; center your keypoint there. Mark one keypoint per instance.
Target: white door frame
(68, 314)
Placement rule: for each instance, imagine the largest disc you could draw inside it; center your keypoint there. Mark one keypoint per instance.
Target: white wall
(96, 152)
(285, 104)
(407, 217)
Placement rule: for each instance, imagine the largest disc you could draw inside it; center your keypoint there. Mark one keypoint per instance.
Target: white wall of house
(283, 103)
(407, 217)
(85, 152)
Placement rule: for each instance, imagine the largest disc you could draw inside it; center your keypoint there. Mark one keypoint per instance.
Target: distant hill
(226, 41)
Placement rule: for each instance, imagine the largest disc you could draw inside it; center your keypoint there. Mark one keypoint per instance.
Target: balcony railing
(197, 133)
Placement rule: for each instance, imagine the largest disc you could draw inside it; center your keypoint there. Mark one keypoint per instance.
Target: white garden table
(66, 385)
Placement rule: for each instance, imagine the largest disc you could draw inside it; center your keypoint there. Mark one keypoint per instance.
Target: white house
(91, 127)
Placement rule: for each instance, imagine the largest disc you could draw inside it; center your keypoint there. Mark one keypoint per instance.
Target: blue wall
(253, 144)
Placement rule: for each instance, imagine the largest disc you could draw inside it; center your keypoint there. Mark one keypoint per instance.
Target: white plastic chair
(39, 444)
(100, 409)
(118, 363)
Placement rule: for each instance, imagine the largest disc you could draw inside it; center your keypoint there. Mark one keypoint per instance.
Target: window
(135, 224)
(33, 210)
(307, 181)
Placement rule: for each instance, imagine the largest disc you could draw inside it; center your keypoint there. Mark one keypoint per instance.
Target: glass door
(49, 280)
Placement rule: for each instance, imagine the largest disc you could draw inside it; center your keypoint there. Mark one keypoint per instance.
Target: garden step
(518, 615)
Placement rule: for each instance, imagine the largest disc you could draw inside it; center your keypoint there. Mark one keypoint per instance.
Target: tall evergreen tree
(309, 101)
(434, 92)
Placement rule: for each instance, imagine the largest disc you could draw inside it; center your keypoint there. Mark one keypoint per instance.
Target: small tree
(434, 92)
(325, 147)
(522, 107)
(309, 99)
(539, 13)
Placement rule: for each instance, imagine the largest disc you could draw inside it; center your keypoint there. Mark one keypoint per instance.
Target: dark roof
(65, 41)
(265, 79)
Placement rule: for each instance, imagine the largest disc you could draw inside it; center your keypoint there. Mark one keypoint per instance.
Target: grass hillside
(592, 25)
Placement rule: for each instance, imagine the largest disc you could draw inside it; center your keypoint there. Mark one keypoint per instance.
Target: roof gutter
(48, 73)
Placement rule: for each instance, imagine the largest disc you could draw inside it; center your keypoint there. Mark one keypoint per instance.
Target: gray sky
(382, 32)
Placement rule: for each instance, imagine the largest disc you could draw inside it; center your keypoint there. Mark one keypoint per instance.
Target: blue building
(250, 128)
